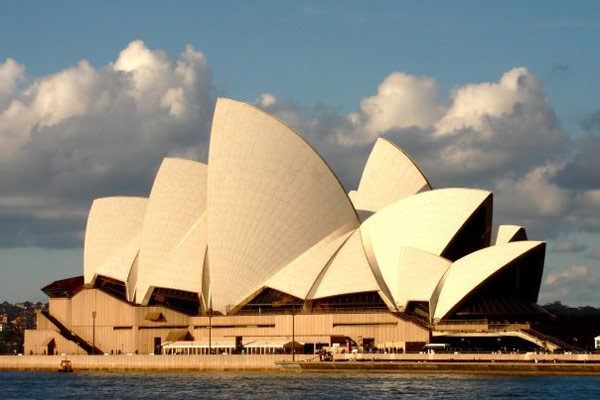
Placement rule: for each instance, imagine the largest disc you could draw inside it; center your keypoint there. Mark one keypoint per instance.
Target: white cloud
(573, 285)
(533, 195)
(574, 272)
(11, 74)
(589, 199)
(150, 71)
(89, 131)
(86, 132)
(514, 109)
(595, 253)
(568, 246)
(266, 100)
(473, 104)
(156, 81)
(402, 101)
(66, 94)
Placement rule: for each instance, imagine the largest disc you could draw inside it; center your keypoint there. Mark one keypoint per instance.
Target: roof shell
(348, 272)
(174, 234)
(427, 221)
(470, 272)
(113, 236)
(271, 197)
(508, 233)
(418, 275)
(389, 175)
(299, 276)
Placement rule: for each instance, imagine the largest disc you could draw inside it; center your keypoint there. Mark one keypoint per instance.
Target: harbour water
(275, 385)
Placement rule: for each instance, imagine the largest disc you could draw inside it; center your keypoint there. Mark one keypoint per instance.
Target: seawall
(584, 364)
(148, 362)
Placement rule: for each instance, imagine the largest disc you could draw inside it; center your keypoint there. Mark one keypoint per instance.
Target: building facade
(262, 248)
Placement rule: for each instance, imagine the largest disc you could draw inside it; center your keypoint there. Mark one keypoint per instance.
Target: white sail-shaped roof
(419, 272)
(348, 272)
(270, 198)
(112, 237)
(427, 221)
(507, 233)
(299, 276)
(132, 278)
(467, 274)
(174, 235)
(389, 175)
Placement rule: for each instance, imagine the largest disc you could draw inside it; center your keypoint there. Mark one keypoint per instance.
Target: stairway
(548, 342)
(67, 334)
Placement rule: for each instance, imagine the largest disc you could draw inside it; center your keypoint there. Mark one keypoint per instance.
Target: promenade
(461, 363)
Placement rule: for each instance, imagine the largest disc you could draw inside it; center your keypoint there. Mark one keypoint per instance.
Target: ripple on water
(273, 385)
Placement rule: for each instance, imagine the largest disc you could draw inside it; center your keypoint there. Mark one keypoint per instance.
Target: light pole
(293, 334)
(93, 332)
(210, 330)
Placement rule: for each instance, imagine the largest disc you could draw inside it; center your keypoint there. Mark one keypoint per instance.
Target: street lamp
(210, 330)
(93, 332)
(293, 334)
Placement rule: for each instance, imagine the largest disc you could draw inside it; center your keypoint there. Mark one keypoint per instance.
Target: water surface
(289, 385)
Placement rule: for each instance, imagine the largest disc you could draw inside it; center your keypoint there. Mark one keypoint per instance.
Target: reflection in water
(272, 385)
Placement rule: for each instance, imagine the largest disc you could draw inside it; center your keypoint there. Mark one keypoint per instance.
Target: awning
(221, 343)
(64, 287)
(155, 316)
(278, 344)
(179, 335)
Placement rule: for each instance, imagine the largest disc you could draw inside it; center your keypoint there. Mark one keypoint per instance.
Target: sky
(496, 95)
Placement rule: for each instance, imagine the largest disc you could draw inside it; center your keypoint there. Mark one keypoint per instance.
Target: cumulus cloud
(482, 132)
(402, 101)
(533, 195)
(91, 131)
(595, 253)
(568, 246)
(11, 75)
(574, 272)
(501, 136)
(581, 172)
(574, 284)
(474, 106)
(88, 132)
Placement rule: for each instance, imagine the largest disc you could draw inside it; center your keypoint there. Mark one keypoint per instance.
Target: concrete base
(505, 368)
(148, 362)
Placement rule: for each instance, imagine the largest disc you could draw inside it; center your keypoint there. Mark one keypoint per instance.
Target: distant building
(597, 342)
(263, 245)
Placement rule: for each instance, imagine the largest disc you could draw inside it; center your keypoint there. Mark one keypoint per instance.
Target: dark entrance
(157, 343)
(368, 344)
(51, 347)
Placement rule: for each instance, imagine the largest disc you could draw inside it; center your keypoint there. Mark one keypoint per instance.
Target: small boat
(65, 366)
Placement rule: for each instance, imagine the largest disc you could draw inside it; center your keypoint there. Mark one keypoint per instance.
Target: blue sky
(319, 60)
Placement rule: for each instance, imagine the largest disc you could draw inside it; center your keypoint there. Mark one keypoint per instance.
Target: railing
(551, 339)
(413, 319)
(493, 326)
(480, 325)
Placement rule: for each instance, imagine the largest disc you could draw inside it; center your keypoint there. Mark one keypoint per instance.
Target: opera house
(262, 249)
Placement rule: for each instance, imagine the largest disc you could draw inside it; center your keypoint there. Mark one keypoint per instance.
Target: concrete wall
(121, 327)
(36, 342)
(266, 362)
(147, 362)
